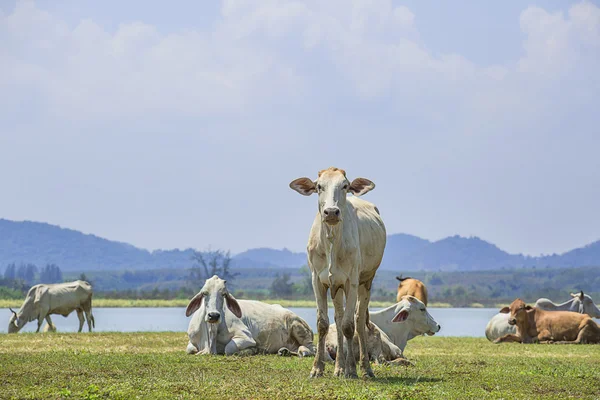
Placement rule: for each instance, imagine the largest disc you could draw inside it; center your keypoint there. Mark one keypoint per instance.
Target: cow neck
(332, 236)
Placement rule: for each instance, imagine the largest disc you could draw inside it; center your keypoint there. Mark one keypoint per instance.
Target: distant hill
(42, 243)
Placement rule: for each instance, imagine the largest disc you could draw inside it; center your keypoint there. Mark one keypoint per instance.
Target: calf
(412, 287)
(535, 325)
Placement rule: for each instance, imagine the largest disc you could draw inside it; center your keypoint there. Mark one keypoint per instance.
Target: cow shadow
(406, 380)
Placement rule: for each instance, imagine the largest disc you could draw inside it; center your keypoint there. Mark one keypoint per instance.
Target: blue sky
(182, 126)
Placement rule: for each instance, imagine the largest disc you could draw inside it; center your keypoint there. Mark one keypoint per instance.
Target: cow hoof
(351, 375)
(339, 372)
(316, 373)
(283, 352)
(369, 374)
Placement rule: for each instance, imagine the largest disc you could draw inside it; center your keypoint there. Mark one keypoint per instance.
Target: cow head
(586, 304)
(14, 324)
(413, 310)
(214, 295)
(518, 312)
(332, 186)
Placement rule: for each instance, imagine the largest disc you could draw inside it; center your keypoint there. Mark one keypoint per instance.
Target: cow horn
(581, 296)
(12, 311)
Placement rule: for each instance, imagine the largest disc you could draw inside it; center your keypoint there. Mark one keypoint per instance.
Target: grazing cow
(223, 325)
(391, 328)
(60, 298)
(412, 287)
(581, 303)
(536, 325)
(345, 248)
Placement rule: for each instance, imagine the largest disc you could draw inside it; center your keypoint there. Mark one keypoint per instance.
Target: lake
(454, 321)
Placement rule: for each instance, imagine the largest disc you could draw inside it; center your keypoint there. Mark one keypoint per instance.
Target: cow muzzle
(331, 215)
(213, 317)
(512, 321)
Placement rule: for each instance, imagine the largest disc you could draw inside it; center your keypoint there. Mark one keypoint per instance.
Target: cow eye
(345, 187)
(319, 187)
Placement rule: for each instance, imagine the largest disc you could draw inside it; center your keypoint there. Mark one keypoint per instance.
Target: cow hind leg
(90, 319)
(81, 319)
(342, 359)
(364, 296)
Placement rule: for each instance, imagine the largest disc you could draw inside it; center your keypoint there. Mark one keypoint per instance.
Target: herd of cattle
(345, 247)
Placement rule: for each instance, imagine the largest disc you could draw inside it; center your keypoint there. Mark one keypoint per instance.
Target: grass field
(184, 302)
(154, 365)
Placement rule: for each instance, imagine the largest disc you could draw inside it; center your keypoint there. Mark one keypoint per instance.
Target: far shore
(112, 303)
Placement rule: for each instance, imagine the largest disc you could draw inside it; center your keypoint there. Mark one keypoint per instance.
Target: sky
(181, 125)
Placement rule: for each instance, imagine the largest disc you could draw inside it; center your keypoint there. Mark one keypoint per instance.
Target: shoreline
(146, 303)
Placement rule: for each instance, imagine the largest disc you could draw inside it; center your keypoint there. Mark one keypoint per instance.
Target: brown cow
(537, 325)
(412, 287)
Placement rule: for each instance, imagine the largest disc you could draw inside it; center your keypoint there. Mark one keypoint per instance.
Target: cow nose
(213, 316)
(512, 321)
(439, 327)
(332, 212)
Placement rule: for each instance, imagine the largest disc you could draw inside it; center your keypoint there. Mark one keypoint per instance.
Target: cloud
(255, 56)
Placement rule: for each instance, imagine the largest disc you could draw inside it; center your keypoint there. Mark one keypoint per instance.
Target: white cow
(345, 248)
(391, 328)
(61, 298)
(223, 325)
(580, 303)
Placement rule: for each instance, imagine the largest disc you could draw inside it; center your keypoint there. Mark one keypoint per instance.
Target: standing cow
(60, 298)
(345, 248)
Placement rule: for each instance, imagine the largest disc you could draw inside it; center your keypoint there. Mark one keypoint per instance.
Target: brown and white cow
(536, 325)
(345, 248)
(412, 287)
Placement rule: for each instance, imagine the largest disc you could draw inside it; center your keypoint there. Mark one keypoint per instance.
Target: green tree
(281, 285)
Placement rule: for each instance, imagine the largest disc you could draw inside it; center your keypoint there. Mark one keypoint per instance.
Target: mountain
(41, 243)
(266, 257)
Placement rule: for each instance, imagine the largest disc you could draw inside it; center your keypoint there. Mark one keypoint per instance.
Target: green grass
(154, 365)
(184, 302)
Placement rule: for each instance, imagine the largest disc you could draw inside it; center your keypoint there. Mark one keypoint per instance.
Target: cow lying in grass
(536, 325)
(396, 325)
(223, 325)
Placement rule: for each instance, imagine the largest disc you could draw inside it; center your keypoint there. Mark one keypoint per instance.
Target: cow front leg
(322, 326)
(242, 345)
(40, 322)
(81, 320)
(364, 296)
(509, 338)
(51, 327)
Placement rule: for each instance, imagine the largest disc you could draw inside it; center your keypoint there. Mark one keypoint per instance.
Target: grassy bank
(154, 365)
(184, 302)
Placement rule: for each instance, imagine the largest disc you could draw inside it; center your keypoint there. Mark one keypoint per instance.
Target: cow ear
(304, 186)
(233, 305)
(528, 307)
(194, 305)
(505, 310)
(360, 186)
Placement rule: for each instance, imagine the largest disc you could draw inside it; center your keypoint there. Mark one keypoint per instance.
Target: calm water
(454, 321)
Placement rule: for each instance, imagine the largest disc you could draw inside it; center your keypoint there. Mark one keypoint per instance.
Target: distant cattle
(539, 326)
(579, 302)
(413, 287)
(582, 303)
(390, 330)
(345, 248)
(61, 298)
(221, 324)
